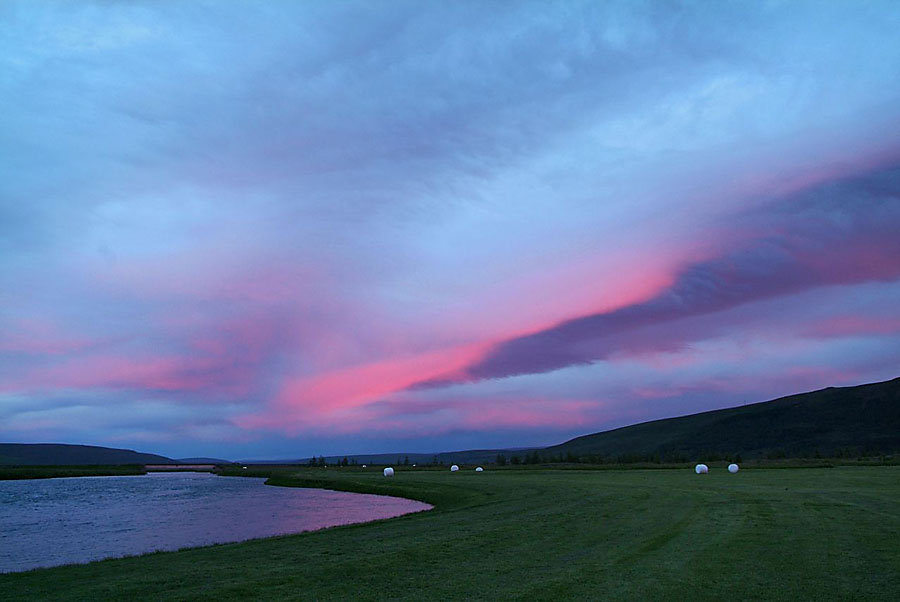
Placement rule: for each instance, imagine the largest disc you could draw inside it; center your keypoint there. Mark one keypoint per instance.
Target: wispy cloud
(266, 218)
(838, 233)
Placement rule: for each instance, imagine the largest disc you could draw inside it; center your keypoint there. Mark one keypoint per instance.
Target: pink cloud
(543, 413)
(40, 336)
(852, 325)
(171, 374)
(418, 418)
(305, 400)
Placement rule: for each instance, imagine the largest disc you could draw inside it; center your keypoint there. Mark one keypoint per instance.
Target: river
(49, 522)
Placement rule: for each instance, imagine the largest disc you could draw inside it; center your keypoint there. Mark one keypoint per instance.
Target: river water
(48, 522)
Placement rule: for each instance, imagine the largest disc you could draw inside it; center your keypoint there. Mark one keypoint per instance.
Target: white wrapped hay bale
(388, 472)
(454, 468)
(479, 469)
(733, 468)
(701, 469)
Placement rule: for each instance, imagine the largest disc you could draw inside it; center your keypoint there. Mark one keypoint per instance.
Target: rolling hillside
(57, 454)
(846, 421)
(834, 421)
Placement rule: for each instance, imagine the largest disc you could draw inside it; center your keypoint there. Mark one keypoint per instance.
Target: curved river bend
(48, 522)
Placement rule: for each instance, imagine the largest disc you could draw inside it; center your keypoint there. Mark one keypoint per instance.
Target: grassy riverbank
(50, 472)
(546, 535)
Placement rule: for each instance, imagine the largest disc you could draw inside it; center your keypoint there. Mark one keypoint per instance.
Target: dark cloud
(839, 233)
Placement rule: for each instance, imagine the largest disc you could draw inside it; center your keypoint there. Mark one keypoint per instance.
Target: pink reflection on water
(50, 522)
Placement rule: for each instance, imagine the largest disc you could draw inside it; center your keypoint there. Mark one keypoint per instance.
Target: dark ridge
(58, 454)
(832, 422)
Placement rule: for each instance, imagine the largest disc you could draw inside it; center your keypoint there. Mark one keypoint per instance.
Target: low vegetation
(544, 534)
(49, 472)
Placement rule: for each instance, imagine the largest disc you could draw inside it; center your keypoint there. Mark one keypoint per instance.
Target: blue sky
(282, 229)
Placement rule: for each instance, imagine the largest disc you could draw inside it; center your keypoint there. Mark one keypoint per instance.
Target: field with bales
(542, 534)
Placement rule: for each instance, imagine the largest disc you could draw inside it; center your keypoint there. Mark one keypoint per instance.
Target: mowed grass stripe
(546, 535)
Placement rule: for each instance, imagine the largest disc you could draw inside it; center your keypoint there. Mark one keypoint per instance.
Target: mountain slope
(33, 454)
(861, 419)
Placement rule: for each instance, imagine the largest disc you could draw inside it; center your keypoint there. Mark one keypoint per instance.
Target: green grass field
(811, 534)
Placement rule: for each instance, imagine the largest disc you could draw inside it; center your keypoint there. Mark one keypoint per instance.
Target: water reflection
(49, 522)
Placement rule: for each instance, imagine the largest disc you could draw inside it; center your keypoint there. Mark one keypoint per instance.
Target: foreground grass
(829, 534)
(51, 472)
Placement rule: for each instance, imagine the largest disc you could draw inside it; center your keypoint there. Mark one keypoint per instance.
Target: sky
(273, 230)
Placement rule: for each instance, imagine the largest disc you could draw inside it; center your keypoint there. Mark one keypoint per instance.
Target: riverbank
(52, 472)
(545, 535)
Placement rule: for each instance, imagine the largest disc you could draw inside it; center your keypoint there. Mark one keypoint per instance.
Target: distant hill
(835, 421)
(202, 461)
(847, 421)
(36, 454)
(470, 456)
